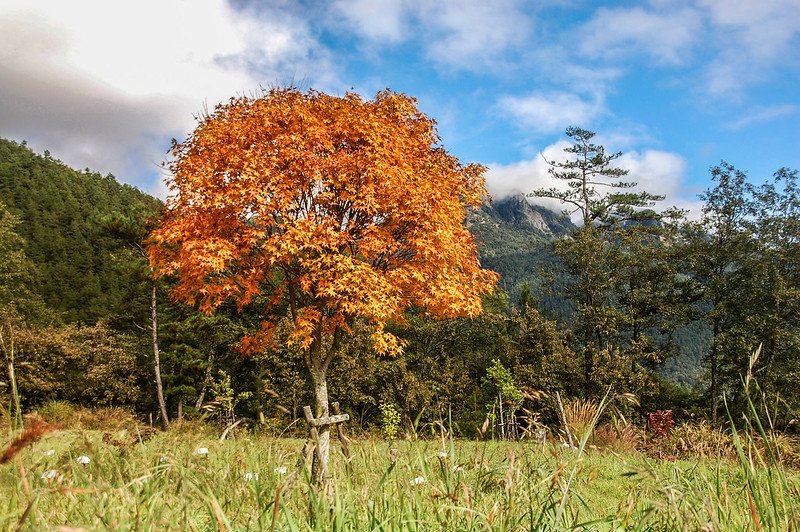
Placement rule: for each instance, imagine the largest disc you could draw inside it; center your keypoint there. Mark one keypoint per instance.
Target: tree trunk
(206, 380)
(157, 358)
(319, 470)
(714, 373)
(8, 350)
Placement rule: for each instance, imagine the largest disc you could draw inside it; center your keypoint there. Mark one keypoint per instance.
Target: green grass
(162, 484)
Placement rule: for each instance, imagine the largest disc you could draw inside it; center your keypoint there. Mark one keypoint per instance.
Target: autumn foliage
(338, 208)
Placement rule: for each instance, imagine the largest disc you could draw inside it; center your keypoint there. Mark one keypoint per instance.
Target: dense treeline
(607, 303)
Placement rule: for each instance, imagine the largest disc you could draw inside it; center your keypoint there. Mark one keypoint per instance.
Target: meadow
(139, 479)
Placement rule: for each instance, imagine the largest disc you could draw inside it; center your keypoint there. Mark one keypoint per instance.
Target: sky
(677, 86)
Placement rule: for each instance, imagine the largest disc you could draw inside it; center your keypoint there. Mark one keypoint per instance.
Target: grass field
(254, 483)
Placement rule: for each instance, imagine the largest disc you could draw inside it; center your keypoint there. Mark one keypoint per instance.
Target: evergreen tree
(618, 273)
(721, 249)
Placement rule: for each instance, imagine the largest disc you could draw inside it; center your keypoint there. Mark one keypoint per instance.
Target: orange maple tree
(340, 208)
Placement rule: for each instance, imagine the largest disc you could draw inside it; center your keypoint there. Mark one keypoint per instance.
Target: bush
(618, 437)
(76, 417)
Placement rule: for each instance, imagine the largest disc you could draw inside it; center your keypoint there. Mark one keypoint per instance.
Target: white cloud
(475, 33)
(666, 37)
(657, 172)
(752, 38)
(765, 28)
(375, 20)
(105, 84)
(762, 114)
(468, 34)
(526, 176)
(550, 112)
(735, 43)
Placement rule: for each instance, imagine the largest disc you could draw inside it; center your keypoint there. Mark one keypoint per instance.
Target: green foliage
(390, 420)
(87, 365)
(618, 270)
(225, 399)
(742, 254)
(498, 377)
(59, 212)
(584, 310)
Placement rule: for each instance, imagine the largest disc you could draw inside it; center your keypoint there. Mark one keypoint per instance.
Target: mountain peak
(516, 210)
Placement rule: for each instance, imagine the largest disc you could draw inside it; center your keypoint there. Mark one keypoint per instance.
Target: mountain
(513, 238)
(81, 264)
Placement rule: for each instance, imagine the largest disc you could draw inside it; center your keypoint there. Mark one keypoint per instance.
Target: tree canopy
(342, 208)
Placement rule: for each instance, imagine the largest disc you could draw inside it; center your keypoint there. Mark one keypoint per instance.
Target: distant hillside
(61, 212)
(513, 238)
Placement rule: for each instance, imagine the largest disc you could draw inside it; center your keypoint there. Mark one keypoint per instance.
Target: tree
(588, 169)
(721, 249)
(339, 208)
(16, 300)
(617, 275)
(133, 231)
(776, 310)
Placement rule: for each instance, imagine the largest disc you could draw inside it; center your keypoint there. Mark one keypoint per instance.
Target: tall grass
(161, 483)
(139, 480)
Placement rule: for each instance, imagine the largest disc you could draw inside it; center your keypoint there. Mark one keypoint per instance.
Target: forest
(635, 300)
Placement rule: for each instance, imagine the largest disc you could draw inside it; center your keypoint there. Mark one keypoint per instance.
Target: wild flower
(250, 476)
(83, 460)
(281, 470)
(49, 452)
(442, 454)
(201, 451)
(49, 474)
(417, 481)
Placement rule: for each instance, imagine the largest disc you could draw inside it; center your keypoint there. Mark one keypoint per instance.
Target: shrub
(618, 437)
(390, 420)
(76, 417)
(661, 423)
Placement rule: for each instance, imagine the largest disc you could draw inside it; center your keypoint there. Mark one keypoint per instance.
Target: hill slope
(61, 212)
(513, 239)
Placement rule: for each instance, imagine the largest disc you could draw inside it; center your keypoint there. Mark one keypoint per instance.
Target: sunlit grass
(162, 483)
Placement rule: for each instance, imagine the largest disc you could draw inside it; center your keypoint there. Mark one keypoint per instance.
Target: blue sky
(676, 86)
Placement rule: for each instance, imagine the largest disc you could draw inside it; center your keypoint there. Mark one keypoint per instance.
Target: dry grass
(77, 417)
(36, 428)
(579, 415)
(619, 437)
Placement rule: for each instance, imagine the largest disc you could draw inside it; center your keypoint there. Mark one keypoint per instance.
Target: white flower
(250, 476)
(442, 454)
(163, 459)
(49, 452)
(50, 473)
(457, 468)
(281, 470)
(417, 481)
(83, 460)
(201, 450)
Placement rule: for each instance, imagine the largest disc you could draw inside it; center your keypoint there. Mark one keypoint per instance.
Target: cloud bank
(657, 172)
(105, 85)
